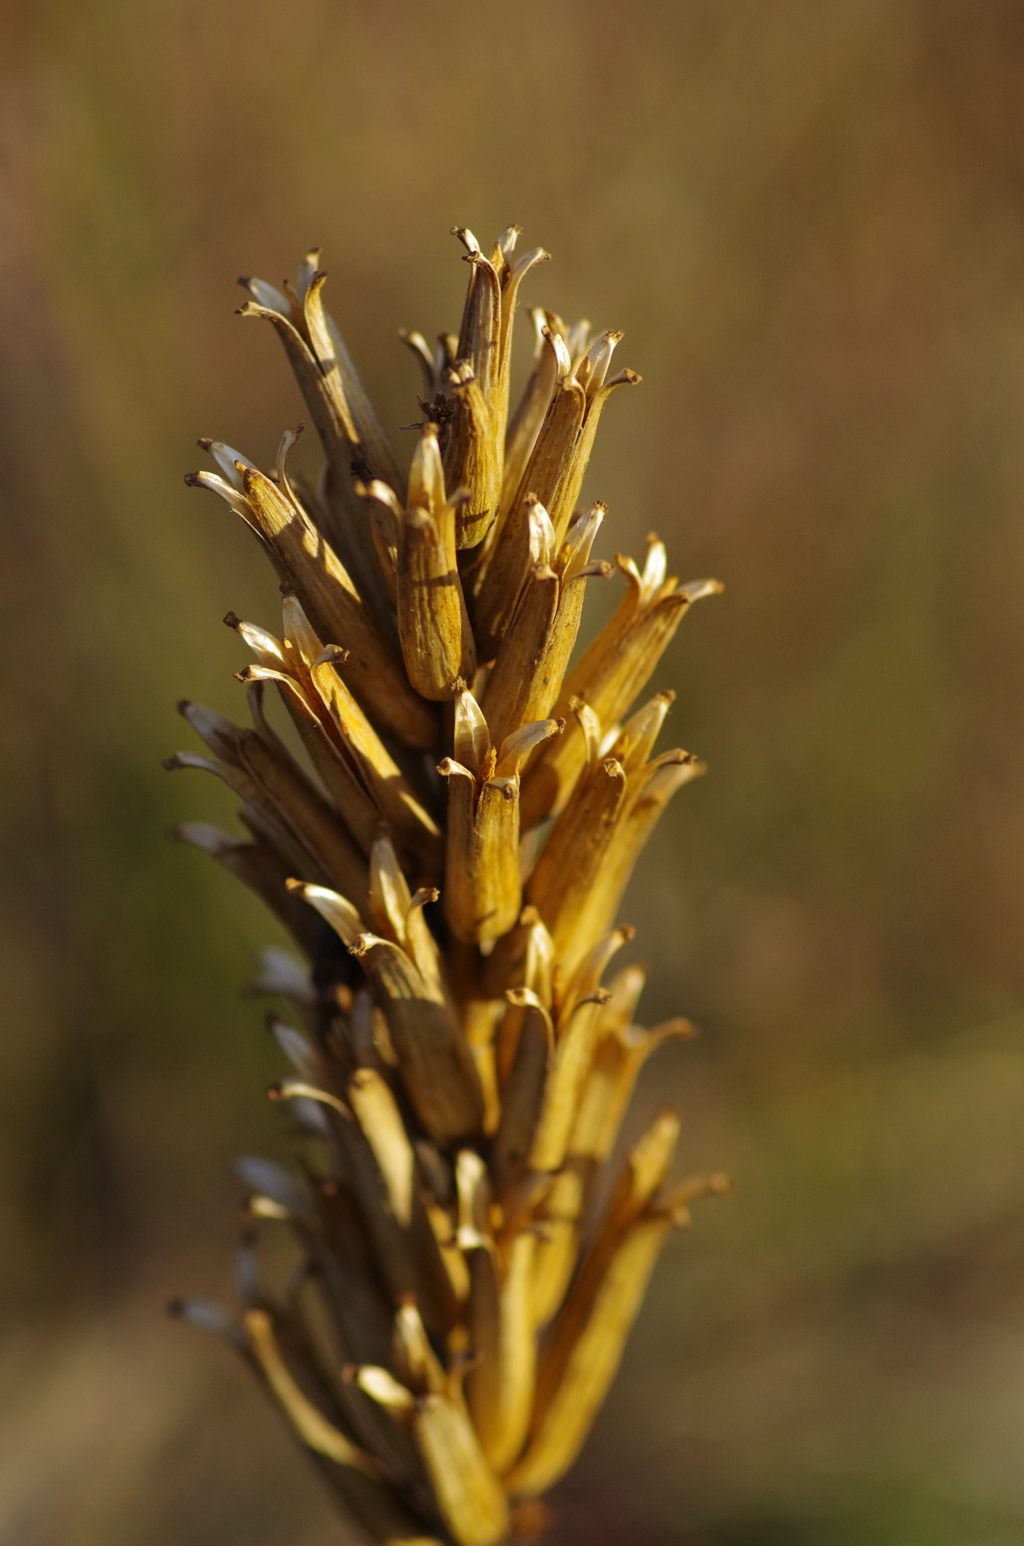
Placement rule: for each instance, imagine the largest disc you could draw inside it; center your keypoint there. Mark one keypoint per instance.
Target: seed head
(445, 819)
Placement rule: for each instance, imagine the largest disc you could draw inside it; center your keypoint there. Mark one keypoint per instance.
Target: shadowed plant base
(448, 843)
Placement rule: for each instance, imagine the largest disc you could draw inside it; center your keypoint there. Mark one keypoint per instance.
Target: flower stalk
(445, 817)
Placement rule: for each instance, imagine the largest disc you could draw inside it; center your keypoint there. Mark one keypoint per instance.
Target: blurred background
(809, 219)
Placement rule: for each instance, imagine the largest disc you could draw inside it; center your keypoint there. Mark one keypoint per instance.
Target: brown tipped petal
(610, 1083)
(336, 435)
(318, 828)
(434, 1058)
(417, 345)
(385, 518)
(534, 967)
(339, 912)
(307, 561)
(506, 965)
(638, 735)
(471, 739)
(617, 665)
(420, 942)
(517, 1356)
(564, 499)
(550, 466)
(268, 650)
(374, 440)
(237, 501)
(591, 969)
(481, 319)
(608, 677)
(564, 1088)
(326, 355)
(482, 891)
(650, 1160)
(262, 870)
(339, 776)
(416, 1355)
(516, 749)
(483, 1378)
(545, 473)
(531, 659)
(571, 861)
(558, 1245)
(259, 812)
(597, 911)
(354, 411)
(522, 1096)
(512, 279)
(589, 1363)
(415, 831)
(309, 1423)
(381, 1386)
(468, 1492)
(381, 1121)
(426, 475)
(529, 415)
(433, 625)
(674, 1203)
(593, 368)
(452, 1257)
(472, 460)
(220, 734)
(390, 897)
(267, 296)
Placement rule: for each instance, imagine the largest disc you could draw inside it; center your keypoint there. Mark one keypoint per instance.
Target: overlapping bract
(448, 848)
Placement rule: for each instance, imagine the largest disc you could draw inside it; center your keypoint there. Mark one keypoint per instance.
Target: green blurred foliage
(808, 218)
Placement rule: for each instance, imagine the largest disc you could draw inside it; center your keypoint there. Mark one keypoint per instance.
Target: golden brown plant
(447, 837)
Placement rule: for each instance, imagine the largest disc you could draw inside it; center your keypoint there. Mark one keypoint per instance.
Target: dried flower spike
(461, 1295)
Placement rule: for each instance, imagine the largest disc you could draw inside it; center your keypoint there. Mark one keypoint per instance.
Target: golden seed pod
(445, 817)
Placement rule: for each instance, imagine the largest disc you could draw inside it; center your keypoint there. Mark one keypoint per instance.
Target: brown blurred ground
(809, 219)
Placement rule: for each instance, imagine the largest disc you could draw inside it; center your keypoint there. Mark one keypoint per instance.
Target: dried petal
(587, 1367)
(434, 1058)
(307, 562)
(309, 1423)
(433, 625)
(381, 1121)
(468, 1492)
(608, 677)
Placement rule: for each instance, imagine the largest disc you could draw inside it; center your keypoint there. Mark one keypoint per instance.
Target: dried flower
(460, 1299)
